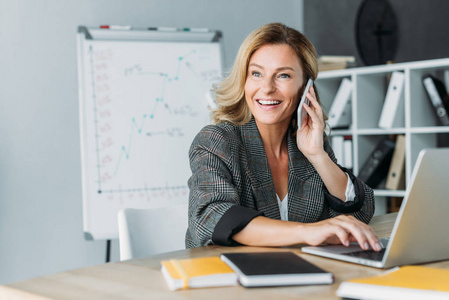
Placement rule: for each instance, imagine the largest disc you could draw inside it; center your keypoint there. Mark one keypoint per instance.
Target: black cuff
(350, 206)
(232, 221)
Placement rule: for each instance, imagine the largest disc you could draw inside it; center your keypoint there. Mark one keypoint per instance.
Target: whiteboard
(143, 97)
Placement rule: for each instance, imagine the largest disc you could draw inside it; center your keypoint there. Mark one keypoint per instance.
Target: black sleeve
(232, 221)
(350, 206)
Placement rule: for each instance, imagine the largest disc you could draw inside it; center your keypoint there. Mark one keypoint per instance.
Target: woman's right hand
(342, 229)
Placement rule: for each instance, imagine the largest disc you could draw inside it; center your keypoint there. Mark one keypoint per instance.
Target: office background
(422, 28)
(40, 172)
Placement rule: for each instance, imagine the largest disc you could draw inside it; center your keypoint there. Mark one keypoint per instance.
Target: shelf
(389, 193)
(430, 129)
(341, 132)
(379, 131)
(417, 65)
(414, 118)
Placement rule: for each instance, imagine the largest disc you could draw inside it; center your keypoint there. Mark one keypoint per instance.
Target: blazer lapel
(300, 190)
(258, 171)
(304, 184)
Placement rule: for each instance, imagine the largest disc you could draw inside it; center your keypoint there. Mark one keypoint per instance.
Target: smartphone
(302, 114)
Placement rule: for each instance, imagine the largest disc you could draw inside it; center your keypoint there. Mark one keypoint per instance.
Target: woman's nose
(269, 85)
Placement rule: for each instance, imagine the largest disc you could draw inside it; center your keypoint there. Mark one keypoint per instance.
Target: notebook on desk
(420, 232)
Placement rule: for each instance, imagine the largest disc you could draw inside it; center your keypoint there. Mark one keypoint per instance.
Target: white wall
(40, 186)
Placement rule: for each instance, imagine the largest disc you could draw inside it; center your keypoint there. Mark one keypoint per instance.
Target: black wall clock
(376, 32)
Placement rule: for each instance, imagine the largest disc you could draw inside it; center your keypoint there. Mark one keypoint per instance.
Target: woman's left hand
(309, 137)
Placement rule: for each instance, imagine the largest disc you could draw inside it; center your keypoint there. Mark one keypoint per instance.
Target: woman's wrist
(333, 177)
(301, 233)
(318, 159)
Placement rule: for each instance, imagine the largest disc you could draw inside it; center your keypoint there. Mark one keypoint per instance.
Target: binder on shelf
(377, 164)
(446, 79)
(392, 99)
(340, 111)
(396, 173)
(394, 204)
(337, 146)
(438, 97)
(348, 158)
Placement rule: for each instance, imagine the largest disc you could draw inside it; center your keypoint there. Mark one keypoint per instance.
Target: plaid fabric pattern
(230, 167)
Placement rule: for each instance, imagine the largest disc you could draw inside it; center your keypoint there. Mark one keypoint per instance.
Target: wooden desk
(142, 279)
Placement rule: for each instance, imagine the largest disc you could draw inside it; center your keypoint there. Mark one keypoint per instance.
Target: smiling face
(274, 79)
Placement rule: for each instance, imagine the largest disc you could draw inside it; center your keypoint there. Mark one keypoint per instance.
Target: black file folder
(438, 97)
(377, 164)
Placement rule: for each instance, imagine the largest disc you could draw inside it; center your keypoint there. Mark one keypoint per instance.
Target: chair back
(144, 232)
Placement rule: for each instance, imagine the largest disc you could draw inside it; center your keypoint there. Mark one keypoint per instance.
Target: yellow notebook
(197, 272)
(408, 282)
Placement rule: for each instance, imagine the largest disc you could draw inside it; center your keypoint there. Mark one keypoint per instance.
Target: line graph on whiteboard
(141, 114)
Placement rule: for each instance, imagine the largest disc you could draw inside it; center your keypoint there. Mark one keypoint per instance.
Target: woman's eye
(255, 74)
(284, 76)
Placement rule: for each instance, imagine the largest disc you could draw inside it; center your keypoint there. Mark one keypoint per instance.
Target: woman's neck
(274, 139)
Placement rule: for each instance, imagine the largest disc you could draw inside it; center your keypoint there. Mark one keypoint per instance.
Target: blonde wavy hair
(230, 93)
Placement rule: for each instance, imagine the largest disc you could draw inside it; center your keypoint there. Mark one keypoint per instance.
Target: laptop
(420, 232)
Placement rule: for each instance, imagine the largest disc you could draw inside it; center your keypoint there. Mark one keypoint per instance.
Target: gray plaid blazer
(230, 170)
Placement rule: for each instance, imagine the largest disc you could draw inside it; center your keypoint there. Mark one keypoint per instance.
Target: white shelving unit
(415, 118)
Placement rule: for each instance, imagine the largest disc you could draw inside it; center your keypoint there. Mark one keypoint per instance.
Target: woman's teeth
(268, 102)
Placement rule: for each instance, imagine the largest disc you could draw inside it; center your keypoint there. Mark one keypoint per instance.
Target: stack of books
(335, 62)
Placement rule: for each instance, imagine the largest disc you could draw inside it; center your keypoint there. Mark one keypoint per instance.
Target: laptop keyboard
(368, 254)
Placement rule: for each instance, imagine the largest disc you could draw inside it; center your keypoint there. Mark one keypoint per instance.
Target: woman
(257, 179)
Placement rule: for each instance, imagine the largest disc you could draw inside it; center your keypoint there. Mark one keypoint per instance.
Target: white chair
(144, 232)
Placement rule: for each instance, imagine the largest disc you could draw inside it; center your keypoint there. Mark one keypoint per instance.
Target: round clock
(376, 32)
